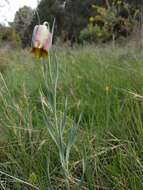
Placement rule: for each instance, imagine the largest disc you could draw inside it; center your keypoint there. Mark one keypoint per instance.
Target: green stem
(49, 68)
(55, 97)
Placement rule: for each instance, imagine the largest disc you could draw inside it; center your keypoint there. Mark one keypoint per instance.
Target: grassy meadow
(73, 121)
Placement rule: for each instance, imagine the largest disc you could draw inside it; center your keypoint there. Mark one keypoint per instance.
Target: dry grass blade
(19, 180)
(100, 153)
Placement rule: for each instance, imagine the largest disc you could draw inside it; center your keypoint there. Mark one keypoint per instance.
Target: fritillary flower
(41, 40)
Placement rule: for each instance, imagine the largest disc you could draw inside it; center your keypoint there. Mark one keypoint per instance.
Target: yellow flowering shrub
(118, 19)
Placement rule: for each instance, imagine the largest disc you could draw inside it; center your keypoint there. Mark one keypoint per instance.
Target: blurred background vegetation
(78, 21)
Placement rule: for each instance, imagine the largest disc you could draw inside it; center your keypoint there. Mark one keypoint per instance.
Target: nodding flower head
(41, 40)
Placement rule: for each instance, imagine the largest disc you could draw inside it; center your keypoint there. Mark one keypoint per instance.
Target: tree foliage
(109, 16)
(71, 16)
(22, 20)
(47, 10)
(79, 20)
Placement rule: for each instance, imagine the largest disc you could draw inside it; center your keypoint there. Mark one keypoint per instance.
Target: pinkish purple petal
(48, 42)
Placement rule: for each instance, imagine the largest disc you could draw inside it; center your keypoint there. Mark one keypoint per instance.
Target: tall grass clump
(22, 130)
(73, 122)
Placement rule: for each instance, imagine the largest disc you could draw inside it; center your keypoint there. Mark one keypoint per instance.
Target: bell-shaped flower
(41, 40)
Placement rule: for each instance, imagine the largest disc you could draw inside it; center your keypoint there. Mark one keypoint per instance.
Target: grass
(84, 132)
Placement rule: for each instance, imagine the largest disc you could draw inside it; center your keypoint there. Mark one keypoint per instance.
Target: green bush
(93, 34)
(8, 36)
